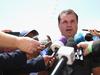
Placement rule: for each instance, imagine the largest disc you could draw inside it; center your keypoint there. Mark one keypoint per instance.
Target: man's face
(68, 25)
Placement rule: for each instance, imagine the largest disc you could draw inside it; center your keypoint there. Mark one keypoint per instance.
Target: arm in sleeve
(12, 59)
(34, 65)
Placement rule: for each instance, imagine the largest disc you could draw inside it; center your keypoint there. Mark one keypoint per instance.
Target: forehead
(67, 16)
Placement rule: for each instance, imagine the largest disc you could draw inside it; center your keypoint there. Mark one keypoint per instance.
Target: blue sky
(42, 15)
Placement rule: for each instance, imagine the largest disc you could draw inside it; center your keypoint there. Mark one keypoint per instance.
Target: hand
(29, 45)
(84, 45)
(94, 32)
(49, 60)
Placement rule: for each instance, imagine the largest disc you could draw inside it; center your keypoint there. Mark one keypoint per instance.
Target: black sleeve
(96, 48)
(12, 59)
(16, 62)
(34, 65)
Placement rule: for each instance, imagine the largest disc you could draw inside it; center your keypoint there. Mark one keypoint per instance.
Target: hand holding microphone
(86, 46)
(93, 31)
(45, 40)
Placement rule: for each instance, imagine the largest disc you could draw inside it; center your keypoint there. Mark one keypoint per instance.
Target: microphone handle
(61, 63)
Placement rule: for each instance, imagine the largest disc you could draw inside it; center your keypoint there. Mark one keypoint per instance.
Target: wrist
(18, 42)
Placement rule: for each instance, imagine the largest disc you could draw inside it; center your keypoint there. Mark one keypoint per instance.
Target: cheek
(63, 30)
(75, 30)
(75, 27)
(61, 27)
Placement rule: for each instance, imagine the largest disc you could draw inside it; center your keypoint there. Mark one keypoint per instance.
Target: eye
(72, 21)
(64, 22)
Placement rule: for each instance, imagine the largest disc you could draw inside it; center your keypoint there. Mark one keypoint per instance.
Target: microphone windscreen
(70, 42)
(63, 39)
(60, 42)
(67, 52)
(56, 45)
(79, 38)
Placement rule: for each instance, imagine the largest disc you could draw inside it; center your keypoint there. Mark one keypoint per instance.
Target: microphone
(63, 39)
(71, 42)
(45, 40)
(79, 37)
(57, 44)
(68, 51)
(88, 30)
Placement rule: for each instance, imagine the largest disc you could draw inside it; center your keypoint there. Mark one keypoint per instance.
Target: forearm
(7, 40)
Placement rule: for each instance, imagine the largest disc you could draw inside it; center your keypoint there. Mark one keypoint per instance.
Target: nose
(69, 23)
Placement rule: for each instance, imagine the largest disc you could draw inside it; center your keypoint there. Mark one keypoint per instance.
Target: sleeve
(12, 59)
(34, 65)
(96, 48)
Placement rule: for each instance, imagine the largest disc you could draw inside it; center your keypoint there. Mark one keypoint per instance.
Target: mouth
(68, 29)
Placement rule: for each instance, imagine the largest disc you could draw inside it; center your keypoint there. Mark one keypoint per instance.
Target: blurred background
(19, 15)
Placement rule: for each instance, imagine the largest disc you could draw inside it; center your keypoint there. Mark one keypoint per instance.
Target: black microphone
(88, 30)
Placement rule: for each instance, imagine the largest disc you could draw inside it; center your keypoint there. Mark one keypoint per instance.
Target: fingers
(37, 49)
(93, 31)
(85, 46)
(40, 47)
(37, 46)
(49, 60)
(50, 63)
(80, 45)
(29, 45)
